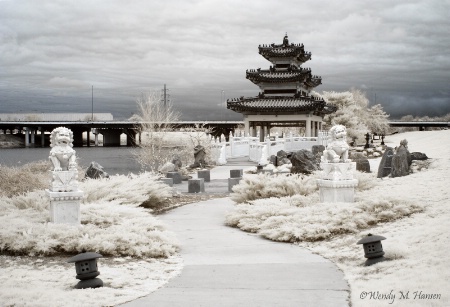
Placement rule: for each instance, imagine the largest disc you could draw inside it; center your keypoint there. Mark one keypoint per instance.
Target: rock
(273, 160)
(400, 162)
(282, 158)
(199, 157)
(177, 162)
(96, 171)
(283, 161)
(168, 167)
(317, 149)
(304, 162)
(384, 169)
(418, 156)
(376, 154)
(362, 163)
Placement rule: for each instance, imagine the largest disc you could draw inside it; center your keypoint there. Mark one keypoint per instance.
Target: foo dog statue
(337, 149)
(63, 158)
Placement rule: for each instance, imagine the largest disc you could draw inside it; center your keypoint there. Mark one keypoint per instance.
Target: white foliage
(112, 222)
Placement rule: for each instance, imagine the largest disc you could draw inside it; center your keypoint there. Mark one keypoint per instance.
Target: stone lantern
(367, 140)
(373, 250)
(87, 271)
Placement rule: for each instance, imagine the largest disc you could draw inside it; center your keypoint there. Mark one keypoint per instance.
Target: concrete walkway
(225, 266)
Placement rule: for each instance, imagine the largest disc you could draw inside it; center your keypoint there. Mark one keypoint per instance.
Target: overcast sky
(52, 52)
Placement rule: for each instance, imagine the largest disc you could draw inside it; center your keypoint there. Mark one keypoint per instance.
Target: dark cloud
(53, 52)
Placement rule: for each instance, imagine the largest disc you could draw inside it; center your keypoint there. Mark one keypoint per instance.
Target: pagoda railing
(256, 151)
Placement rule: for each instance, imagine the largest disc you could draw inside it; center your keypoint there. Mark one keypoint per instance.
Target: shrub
(112, 223)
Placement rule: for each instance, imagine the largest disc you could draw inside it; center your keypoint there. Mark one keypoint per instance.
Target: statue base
(337, 183)
(65, 207)
(335, 191)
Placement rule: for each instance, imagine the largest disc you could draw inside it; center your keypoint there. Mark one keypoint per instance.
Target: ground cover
(412, 212)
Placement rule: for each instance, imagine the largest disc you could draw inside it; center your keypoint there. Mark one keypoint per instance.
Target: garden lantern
(367, 140)
(87, 271)
(373, 250)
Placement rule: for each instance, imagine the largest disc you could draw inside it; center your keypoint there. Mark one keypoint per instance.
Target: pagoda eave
(277, 105)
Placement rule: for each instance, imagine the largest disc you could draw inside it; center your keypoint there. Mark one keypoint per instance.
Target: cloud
(54, 49)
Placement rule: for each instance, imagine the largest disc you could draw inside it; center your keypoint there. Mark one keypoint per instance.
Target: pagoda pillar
(308, 126)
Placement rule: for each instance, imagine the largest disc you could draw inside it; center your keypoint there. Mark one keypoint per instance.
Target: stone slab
(196, 185)
(176, 176)
(205, 174)
(168, 181)
(236, 173)
(232, 182)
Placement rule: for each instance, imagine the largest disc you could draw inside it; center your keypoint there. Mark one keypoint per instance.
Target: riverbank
(11, 141)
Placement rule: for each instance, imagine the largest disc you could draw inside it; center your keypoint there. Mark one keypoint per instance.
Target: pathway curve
(225, 266)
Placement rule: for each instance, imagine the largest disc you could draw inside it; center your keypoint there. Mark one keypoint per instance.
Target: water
(115, 160)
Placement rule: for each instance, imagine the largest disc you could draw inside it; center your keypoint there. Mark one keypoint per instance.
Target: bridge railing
(255, 150)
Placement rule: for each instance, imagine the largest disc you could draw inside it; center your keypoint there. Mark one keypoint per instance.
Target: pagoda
(284, 99)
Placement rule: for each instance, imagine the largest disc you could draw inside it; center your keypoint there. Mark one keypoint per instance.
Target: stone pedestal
(236, 173)
(168, 181)
(205, 174)
(65, 207)
(335, 191)
(176, 176)
(337, 183)
(196, 185)
(232, 182)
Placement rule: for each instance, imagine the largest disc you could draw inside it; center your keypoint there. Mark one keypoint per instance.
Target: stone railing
(255, 150)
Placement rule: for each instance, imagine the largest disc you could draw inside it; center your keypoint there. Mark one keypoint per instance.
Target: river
(115, 160)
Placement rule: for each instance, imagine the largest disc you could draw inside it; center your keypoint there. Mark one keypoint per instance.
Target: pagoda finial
(285, 40)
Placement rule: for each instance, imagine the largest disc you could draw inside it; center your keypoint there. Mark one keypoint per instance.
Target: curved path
(225, 266)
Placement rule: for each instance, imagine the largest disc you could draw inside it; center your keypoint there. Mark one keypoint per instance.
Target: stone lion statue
(62, 154)
(337, 149)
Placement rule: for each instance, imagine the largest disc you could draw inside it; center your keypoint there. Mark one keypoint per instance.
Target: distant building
(285, 98)
(55, 117)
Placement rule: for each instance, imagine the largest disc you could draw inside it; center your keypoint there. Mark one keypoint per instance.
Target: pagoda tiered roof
(302, 75)
(280, 104)
(285, 50)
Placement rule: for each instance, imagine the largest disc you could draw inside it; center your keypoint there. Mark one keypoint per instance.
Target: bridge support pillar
(111, 137)
(42, 136)
(77, 137)
(27, 137)
(131, 137)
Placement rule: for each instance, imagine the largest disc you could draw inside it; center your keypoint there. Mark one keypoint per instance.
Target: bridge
(110, 130)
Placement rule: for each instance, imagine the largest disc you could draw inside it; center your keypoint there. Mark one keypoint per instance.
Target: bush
(259, 186)
(18, 180)
(112, 223)
(300, 218)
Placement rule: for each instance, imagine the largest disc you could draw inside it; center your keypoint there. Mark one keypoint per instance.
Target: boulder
(168, 167)
(199, 157)
(273, 160)
(317, 149)
(96, 171)
(362, 163)
(177, 162)
(418, 156)
(400, 162)
(282, 158)
(304, 162)
(384, 169)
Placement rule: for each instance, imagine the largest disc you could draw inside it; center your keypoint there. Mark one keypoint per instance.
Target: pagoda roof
(280, 105)
(302, 75)
(285, 50)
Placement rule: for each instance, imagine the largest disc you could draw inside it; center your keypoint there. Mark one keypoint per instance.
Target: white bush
(112, 221)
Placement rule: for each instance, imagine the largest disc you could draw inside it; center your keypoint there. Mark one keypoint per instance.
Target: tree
(353, 112)
(156, 120)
